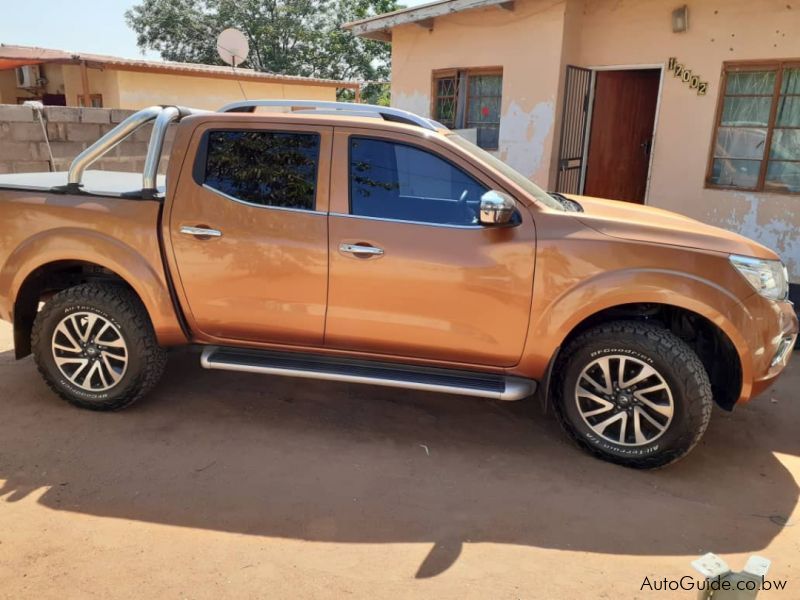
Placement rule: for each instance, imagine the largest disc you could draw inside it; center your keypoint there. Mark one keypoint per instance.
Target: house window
(470, 99)
(95, 100)
(757, 138)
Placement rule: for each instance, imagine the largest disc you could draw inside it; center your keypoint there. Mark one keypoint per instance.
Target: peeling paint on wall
(415, 102)
(523, 136)
(781, 234)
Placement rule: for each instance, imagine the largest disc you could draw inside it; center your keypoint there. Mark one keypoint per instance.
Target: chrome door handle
(201, 232)
(360, 249)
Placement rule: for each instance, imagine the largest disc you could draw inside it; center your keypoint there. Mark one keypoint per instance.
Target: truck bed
(40, 228)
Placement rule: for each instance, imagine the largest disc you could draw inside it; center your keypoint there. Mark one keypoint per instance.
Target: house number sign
(686, 76)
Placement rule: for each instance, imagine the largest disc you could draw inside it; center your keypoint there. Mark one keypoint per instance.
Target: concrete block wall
(23, 147)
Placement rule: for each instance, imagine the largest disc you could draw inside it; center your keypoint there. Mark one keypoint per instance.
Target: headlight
(768, 277)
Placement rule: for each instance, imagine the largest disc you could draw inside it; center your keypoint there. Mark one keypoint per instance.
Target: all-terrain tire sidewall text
(120, 307)
(675, 362)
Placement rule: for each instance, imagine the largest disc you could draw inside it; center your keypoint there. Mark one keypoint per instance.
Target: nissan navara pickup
(366, 244)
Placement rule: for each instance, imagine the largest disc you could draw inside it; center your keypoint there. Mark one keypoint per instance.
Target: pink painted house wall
(537, 40)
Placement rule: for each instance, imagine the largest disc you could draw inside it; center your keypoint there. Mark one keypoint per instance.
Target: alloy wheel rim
(624, 400)
(90, 352)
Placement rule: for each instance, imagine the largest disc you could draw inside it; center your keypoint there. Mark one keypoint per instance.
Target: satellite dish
(232, 47)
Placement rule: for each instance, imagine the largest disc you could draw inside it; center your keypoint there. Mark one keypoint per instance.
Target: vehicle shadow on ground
(340, 463)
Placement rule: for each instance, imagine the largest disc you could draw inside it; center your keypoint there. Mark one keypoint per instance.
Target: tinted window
(264, 167)
(396, 181)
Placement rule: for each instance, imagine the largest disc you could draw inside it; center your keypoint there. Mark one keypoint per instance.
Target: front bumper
(775, 334)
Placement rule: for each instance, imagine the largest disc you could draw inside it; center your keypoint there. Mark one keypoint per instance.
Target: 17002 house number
(686, 76)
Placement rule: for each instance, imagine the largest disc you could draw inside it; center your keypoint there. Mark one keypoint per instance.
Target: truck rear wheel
(633, 393)
(96, 348)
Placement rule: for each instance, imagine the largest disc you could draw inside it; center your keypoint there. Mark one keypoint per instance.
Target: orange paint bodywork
(487, 298)
(39, 228)
(265, 279)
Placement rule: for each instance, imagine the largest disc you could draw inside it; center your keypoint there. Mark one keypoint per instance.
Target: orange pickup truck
(367, 244)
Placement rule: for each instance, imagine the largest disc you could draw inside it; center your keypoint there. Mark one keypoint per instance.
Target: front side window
(757, 140)
(396, 181)
(267, 168)
(470, 99)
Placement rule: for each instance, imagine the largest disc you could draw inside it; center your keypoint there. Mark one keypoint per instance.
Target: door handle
(361, 249)
(201, 232)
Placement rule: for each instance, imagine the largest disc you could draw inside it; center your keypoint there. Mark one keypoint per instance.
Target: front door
(249, 233)
(412, 272)
(621, 134)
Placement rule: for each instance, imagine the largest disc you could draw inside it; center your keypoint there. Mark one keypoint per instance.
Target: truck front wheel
(96, 348)
(633, 393)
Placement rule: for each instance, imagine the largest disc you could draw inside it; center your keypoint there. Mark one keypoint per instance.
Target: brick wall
(69, 130)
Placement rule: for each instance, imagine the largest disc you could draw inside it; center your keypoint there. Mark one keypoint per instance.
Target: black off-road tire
(121, 307)
(675, 361)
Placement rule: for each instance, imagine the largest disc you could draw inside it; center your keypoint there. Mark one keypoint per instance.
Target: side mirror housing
(497, 208)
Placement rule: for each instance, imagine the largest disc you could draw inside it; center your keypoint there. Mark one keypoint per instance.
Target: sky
(96, 26)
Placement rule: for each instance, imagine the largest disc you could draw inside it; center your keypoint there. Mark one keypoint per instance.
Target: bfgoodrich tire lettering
(123, 312)
(653, 358)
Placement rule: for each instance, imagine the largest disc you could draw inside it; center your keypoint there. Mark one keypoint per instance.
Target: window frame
(355, 136)
(201, 161)
(778, 66)
(456, 73)
(436, 75)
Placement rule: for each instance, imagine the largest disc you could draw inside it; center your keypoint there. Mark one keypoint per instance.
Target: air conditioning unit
(28, 76)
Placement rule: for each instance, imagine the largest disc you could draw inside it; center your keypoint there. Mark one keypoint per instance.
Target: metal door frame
(568, 118)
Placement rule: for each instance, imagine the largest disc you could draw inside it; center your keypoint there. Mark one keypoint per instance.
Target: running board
(292, 364)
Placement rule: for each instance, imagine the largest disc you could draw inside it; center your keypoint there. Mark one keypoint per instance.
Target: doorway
(606, 151)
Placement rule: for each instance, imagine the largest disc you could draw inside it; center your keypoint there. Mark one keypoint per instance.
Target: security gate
(574, 121)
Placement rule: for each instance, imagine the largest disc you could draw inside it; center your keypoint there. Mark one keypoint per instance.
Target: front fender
(140, 268)
(555, 317)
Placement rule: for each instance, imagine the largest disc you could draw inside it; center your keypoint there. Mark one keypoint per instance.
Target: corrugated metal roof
(13, 56)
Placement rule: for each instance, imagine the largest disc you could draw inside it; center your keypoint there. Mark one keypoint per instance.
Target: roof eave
(379, 35)
(379, 27)
(29, 55)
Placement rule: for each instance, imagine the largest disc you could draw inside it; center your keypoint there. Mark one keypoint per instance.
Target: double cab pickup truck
(367, 244)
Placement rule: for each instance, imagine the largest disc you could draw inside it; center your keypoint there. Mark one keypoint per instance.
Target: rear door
(248, 231)
(412, 272)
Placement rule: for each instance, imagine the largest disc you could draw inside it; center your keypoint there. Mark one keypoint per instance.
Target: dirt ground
(230, 485)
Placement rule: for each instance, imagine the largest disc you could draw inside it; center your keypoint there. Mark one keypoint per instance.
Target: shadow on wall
(344, 463)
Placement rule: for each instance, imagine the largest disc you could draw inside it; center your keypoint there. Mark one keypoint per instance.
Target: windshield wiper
(569, 205)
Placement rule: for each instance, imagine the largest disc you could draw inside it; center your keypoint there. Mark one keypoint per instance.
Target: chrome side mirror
(497, 208)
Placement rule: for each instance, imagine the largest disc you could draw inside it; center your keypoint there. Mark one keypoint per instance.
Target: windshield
(514, 175)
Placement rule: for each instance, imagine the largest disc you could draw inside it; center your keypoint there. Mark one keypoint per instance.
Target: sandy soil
(227, 485)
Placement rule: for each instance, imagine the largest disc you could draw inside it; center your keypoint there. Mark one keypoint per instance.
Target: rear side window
(400, 182)
(267, 168)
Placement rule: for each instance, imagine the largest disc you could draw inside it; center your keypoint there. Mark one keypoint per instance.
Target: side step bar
(291, 364)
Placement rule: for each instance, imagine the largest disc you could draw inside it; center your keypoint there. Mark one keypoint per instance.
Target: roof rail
(362, 110)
